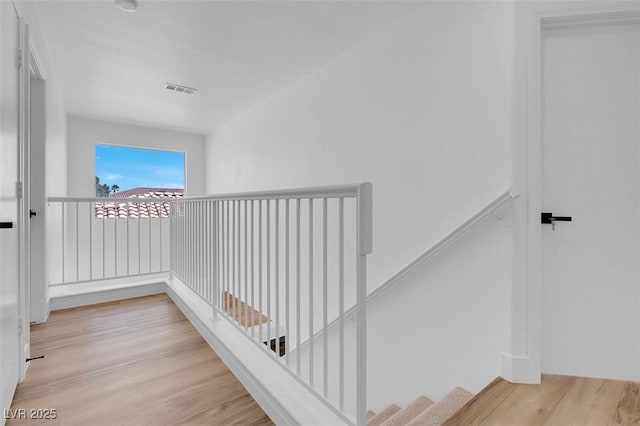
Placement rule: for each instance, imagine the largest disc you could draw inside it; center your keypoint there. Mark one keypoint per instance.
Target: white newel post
(365, 240)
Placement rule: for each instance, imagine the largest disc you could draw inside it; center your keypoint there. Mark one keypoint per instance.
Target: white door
(9, 237)
(590, 168)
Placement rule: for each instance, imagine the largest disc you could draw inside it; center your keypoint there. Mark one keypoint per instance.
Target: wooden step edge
(443, 409)
(383, 415)
(410, 412)
(495, 387)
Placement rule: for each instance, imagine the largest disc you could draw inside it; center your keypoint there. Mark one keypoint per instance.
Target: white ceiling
(113, 64)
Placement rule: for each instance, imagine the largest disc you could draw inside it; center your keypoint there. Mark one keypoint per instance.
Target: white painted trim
(70, 299)
(526, 365)
(17, 6)
(516, 369)
(579, 19)
(42, 317)
(47, 310)
(24, 200)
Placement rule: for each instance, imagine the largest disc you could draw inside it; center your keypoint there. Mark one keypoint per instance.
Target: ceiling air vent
(181, 89)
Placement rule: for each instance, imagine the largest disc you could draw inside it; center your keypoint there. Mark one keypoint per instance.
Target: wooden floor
(134, 362)
(559, 400)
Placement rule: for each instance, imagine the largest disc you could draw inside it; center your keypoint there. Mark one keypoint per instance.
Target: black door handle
(550, 218)
(6, 225)
(32, 213)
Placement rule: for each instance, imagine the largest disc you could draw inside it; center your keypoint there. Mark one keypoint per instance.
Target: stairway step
(440, 411)
(408, 413)
(370, 414)
(383, 415)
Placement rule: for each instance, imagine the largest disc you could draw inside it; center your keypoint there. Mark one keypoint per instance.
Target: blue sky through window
(139, 167)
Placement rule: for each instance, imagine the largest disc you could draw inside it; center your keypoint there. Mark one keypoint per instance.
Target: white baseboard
(47, 310)
(519, 369)
(82, 297)
(41, 316)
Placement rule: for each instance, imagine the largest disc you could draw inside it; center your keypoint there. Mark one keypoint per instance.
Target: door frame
(24, 198)
(39, 306)
(523, 364)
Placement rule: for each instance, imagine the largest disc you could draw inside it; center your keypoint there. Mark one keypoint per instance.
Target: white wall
(423, 111)
(84, 133)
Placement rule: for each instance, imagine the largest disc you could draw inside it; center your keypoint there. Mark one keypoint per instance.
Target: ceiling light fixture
(127, 5)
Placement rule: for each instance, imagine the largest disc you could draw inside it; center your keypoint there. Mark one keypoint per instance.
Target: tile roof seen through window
(137, 207)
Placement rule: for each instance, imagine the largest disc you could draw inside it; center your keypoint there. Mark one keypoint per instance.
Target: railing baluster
(104, 259)
(187, 241)
(180, 251)
(213, 236)
(298, 301)
(160, 229)
(173, 240)
(238, 264)
(201, 249)
(63, 259)
(206, 250)
(77, 242)
(260, 269)
(150, 235)
(221, 256)
(139, 225)
(90, 241)
(197, 248)
(228, 275)
(253, 301)
(341, 298)
(268, 272)
(128, 270)
(246, 260)
(223, 299)
(287, 336)
(115, 242)
(191, 244)
(311, 291)
(277, 275)
(325, 335)
(233, 260)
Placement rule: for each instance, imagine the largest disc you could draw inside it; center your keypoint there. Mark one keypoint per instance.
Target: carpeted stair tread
(383, 415)
(370, 414)
(440, 411)
(408, 413)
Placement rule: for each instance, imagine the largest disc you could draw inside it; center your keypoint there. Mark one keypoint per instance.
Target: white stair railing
(280, 265)
(490, 208)
(95, 239)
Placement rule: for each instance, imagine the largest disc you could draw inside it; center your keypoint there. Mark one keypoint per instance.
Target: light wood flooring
(559, 400)
(133, 362)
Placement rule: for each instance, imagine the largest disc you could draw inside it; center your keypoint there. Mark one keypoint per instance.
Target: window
(126, 172)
